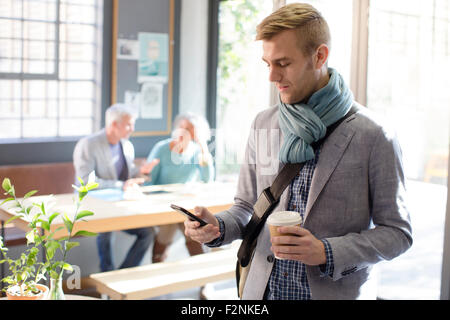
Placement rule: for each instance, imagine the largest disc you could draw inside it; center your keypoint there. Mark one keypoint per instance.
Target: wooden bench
(166, 277)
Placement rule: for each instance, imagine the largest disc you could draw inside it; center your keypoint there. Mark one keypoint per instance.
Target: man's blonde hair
(308, 21)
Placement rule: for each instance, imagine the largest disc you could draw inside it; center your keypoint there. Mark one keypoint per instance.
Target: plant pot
(40, 296)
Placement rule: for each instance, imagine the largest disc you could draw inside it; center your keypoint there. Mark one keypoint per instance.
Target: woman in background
(182, 158)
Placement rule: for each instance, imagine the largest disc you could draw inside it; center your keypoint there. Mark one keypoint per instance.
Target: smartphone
(188, 214)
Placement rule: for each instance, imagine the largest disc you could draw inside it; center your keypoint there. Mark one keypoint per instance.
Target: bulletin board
(142, 62)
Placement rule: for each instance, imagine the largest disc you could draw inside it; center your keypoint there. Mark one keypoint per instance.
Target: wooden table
(139, 210)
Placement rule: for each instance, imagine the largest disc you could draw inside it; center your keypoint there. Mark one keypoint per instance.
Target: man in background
(110, 156)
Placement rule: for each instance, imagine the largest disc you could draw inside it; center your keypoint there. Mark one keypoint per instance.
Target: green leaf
(14, 218)
(85, 233)
(81, 181)
(45, 225)
(51, 247)
(6, 184)
(54, 274)
(29, 194)
(82, 193)
(84, 213)
(67, 266)
(30, 236)
(68, 223)
(43, 208)
(70, 245)
(52, 217)
(50, 236)
(91, 185)
(6, 200)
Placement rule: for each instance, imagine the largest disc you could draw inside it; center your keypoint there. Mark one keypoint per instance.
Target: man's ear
(321, 56)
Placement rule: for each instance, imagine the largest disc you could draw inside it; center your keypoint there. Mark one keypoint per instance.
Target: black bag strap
(270, 197)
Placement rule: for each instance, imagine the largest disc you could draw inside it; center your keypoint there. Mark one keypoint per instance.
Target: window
(338, 15)
(49, 67)
(242, 80)
(409, 51)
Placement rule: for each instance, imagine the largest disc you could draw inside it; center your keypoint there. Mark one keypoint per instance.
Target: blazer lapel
(106, 152)
(332, 151)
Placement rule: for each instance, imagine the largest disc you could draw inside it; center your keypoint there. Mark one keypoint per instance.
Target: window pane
(39, 89)
(9, 128)
(76, 70)
(77, 33)
(242, 79)
(408, 51)
(35, 109)
(77, 89)
(10, 65)
(39, 50)
(11, 8)
(338, 15)
(38, 66)
(39, 30)
(81, 2)
(10, 48)
(10, 89)
(78, 52)
(9, 108)
(77, 13)
(39, 10)
(79, 127)
(10, 28)
(35, 128)
(77, 108)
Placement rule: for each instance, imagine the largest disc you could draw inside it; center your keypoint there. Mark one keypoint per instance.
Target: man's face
(124, 127)
(291, 71)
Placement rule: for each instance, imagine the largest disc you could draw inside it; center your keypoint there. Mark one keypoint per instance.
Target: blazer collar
(331, 153)
(106, 151)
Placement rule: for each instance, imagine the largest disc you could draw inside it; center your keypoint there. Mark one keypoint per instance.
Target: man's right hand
(204, 234)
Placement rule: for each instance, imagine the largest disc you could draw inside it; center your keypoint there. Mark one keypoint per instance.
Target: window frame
(16, 151)
(56, 74)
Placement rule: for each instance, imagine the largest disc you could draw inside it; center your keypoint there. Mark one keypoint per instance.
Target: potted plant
(24, 278)
(41, 235)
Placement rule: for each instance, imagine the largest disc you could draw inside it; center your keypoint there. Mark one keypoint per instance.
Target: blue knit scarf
(303, 124)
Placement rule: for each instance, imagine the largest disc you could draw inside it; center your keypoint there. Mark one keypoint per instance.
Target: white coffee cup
(283, 219)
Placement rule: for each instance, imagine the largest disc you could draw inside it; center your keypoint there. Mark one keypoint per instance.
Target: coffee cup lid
(284, 218)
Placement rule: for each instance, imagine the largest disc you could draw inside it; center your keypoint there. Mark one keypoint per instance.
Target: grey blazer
(92, 153)
(356, 202)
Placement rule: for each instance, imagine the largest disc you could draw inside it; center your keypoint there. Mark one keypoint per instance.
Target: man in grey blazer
(110, 156)
(350, 192)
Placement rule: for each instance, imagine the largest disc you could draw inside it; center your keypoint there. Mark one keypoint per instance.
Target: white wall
(193, 56)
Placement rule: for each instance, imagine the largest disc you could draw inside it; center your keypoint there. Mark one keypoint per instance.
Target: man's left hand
(298, 244)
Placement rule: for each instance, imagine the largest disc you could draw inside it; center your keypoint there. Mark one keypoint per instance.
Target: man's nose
(274, 75)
